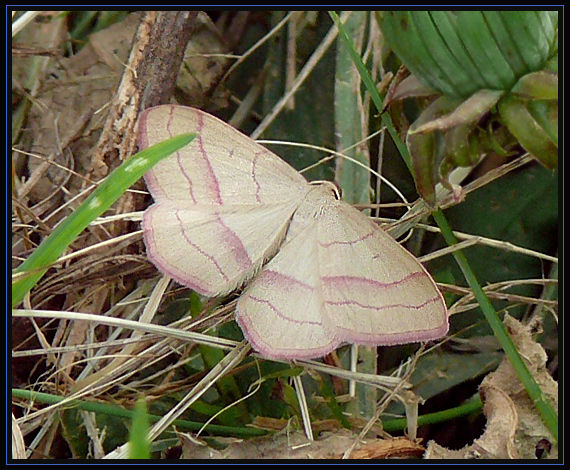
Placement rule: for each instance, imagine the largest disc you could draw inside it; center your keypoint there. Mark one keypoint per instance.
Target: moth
(318, 273)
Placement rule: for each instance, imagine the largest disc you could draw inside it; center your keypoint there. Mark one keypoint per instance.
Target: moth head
(331, 186)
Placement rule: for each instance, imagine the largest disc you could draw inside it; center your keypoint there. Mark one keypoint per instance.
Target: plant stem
(544, 407)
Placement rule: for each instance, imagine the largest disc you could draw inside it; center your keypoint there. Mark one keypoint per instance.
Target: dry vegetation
(102, 328)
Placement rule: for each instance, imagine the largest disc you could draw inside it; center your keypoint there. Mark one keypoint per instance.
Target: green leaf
(446, 24)
(508, 45)
(462, 147)
(541, 85)
(401, 34)
(440, 372)
(545, 114)
(437, 45)
(227, 387)
(528, 34)
(461, 52)
(425, 148)
(478, 39)
(528, 131)
(328, 394)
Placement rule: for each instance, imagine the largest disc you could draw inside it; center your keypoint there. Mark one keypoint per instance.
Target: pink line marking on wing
(202, 252)
(213, 181)
(179, 157)
(281, 353)
(165, 266)
(149, 177)
(345, 280)
(287, 281)
(280, 314)
(344, 242)
(383, 307)
(236, 245)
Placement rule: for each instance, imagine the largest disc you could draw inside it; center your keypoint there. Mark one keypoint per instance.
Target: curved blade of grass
(544, 407)
(98, 202)
(120, 412)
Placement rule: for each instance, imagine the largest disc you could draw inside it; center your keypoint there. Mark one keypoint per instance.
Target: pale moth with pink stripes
(318, 273)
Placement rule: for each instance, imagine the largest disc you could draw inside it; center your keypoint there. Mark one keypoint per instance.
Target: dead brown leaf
(295, 445)
(514, 426)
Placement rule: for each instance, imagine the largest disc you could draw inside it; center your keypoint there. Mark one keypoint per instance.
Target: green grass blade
(371, 88)
(139, 445)
(359, 64)
(96, 204)
(472, 406)
(544, 407)
(120, 412)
